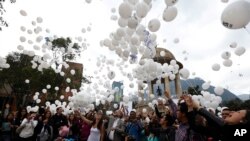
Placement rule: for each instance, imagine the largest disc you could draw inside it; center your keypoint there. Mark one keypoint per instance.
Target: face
(98, 116)
(225, 114)
(132, 115)
(23, 112)
(71, 117)
(48, 114)
(235, 117)
(162, 121)
(60, 110)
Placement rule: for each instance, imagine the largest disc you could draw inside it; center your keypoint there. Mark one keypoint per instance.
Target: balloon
(88, 1)
(22, 39)
(62, 97)
(225, 1)
(227, 63)
(142, 9)
(38, 101)
(236, 15)
(147, 1)
(73, 72)
(205, 85)
(44, 91)
(111, 75)
(226, 55)
(23, 28)
(115, 106)
(239, 51)
(162, 53)
(184, 73)
(125, 10)
(27, 81)
(154, 25)
(233, 45)
(113, 10)
(133, 2)
(23, 13)
(114, 17)
(48, 86)
(144, 110)
(68, 80)
(216, 67)
(176, 40)
(122, 22)
(132, 23)
(39, 20)
(170, 2)
(169, 14)
(218, 90)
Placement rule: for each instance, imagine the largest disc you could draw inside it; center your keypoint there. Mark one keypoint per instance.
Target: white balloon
(48, 86)
(73, 72)
(239, 51)
(154, 25)
(35, 97)
(226, 55)
(39, 19)
(44, 91)
(147, 1)
(62, 97)
(216, 67)
(142, 9)
(20, 47)
(144, 110)
(236, 15)
(176, 40)
(125, 10)
(122, 22)
(22, 39)
(131, 85)
(111, 75)
(132, 23)
(115, 106)
(170, 2)
(68, 80)
(227, 63)
(27, 81)
(162, 53)
(224, 1)
(184, 73)
(23, 28)
(218, 90)
(233, 45)
(23, 13)
(205, 85)
(38, 101)
(169, 14)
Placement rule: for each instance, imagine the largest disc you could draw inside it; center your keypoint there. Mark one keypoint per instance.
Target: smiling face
(235, 117)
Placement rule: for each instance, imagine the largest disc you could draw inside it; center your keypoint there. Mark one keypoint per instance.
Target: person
(46, 132)
(133, 128)
(7, 127)
(85, 127)
(226, 128)
(57, 121)
(115, 127)
(97, 130)
(225, 112)
(27, 127)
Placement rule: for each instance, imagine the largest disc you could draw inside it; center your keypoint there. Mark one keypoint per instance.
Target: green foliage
(194, 90)
(2, 11)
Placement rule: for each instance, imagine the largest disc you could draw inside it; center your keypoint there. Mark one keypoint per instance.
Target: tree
(20, 70)
(194, 90)
(2, 11)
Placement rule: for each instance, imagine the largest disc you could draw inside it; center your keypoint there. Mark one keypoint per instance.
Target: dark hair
(247, 117)
(99, 124)
(183, 107)
(170, 120)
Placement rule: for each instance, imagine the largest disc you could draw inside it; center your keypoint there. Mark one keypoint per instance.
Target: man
(133, 128)
(115, 127)
(225, 112)
(57, 121)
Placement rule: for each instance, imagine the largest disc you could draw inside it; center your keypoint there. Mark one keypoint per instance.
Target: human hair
(247, 117)
(170, 120)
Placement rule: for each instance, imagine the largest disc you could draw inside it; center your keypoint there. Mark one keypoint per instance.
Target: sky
(197, 26)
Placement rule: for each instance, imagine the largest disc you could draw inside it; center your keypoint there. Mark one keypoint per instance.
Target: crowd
(184, 121)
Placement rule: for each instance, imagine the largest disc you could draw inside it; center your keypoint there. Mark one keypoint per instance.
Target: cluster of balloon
(207, 100)
(148, 70)
(3, 63)
(236, 15)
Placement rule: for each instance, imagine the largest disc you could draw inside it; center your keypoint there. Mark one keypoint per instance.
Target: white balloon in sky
(22, 39)
(142, 9)
(73, 72)
(48, 86)
(23, 28)
(68, 80)
(176, 40)
(154, 25)
(169, 14)
(122, 22)
(44, 91)
(113, 10)
(39, 19)
(38, 101)
(83, 30)
(132, 23)
(233, 45)
(23, 13)
(170, 2)
(56, 88)
(62, 97)
(236, 15)
(184, 73)
(216, 67)
(20, 47)
(227, 63)
(226, 55)
(133, 2)
(27, 81)
(219, 90)
(111, 75)
(125, 10)
(239, 51)
(113, 17)
(88, 1)
(131, 85)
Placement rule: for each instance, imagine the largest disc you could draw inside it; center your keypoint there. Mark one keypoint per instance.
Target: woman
(6, 128)
(97, 129)
(27, 128)
(226, 128)
(85, 127)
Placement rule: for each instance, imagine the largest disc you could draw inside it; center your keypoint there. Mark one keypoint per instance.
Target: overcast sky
(197, 26)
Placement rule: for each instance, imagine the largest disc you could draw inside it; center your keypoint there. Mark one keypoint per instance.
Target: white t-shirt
(111, 133)
(28, 129)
